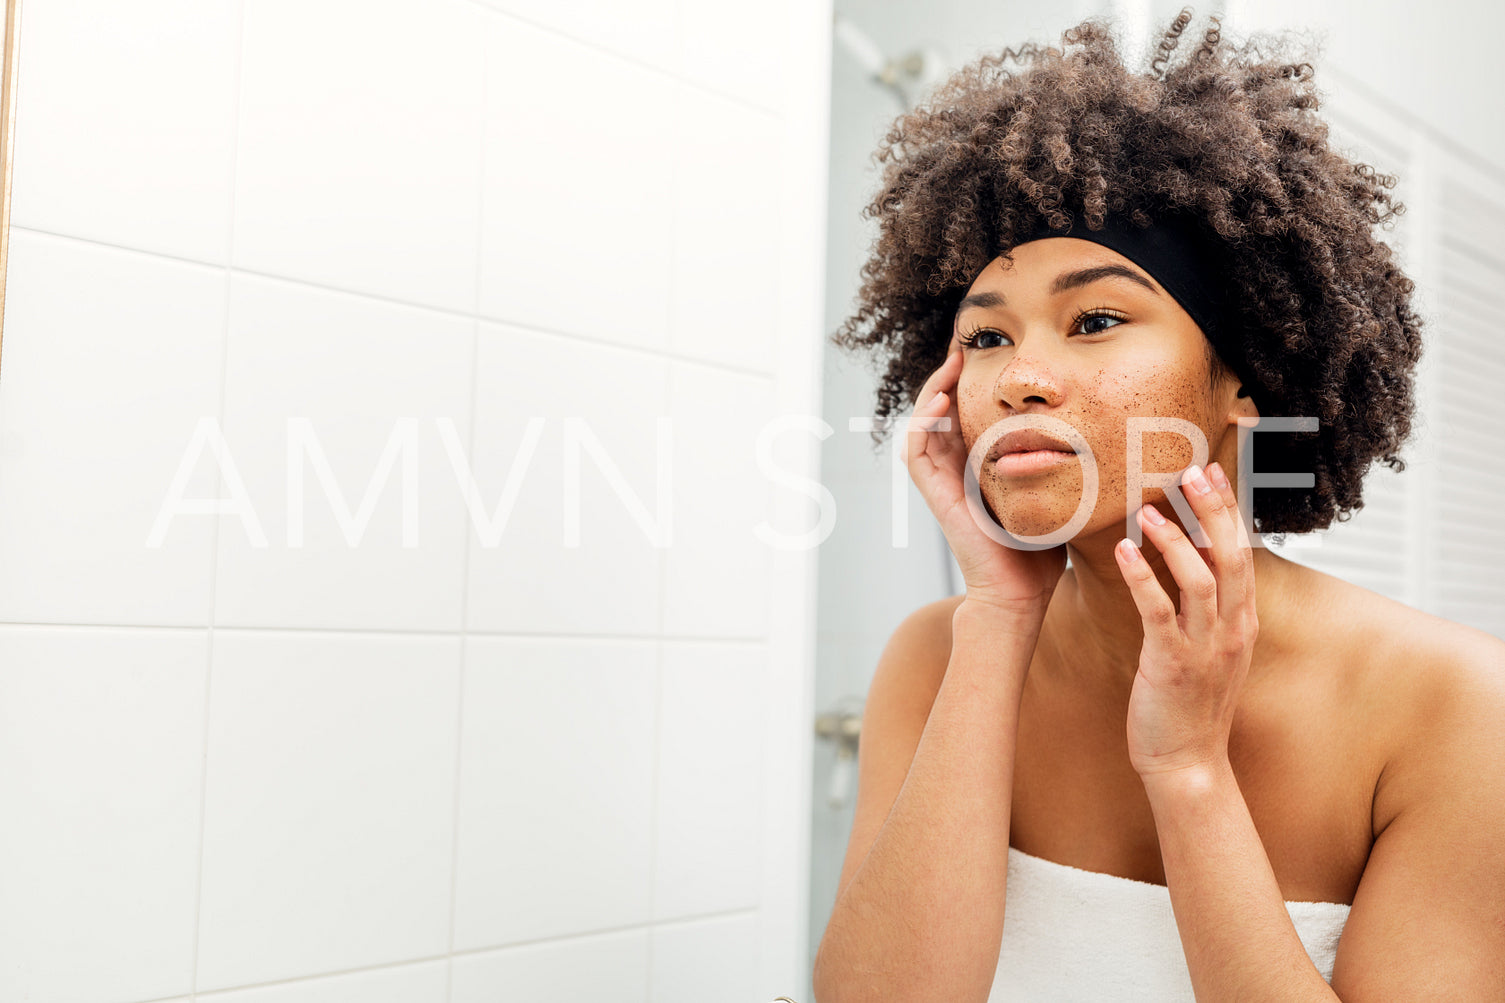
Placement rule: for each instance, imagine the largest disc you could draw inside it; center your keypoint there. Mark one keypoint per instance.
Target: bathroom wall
(361, 730)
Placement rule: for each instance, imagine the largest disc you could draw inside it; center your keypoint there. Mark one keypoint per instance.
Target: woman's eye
(982, 339)
(1088, 324)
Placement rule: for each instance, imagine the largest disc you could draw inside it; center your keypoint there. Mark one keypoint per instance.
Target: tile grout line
(474, 404)
(521, 945)
(633, 60)
(662, 561)
(198, 905)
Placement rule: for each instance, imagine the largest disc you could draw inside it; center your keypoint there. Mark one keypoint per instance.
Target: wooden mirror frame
(7, 143)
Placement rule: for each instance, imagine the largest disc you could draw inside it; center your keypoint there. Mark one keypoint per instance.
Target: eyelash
(969, 340)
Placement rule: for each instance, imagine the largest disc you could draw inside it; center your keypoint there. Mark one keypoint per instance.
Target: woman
(1134, 268)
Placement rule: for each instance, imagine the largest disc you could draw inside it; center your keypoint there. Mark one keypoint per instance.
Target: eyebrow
(1064, 282)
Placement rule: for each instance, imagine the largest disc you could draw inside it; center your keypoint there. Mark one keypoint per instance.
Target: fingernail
(1131, 552)
(1218, 477)
(1153, 514)
(1197, 481)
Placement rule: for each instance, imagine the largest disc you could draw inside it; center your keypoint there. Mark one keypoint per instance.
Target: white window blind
(1433, 536)
(1467, 581)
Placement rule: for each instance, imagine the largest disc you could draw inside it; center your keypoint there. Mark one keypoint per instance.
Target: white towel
(1070, 935)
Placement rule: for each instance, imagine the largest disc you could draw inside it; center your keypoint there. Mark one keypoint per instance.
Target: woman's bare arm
(919, 914)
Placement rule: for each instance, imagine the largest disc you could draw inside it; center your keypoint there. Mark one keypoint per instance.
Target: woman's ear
(1242, 406)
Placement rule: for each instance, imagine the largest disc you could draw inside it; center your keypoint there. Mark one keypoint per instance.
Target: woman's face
(1076, 331)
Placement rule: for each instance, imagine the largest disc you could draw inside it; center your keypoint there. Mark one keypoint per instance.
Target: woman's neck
(1093, 631)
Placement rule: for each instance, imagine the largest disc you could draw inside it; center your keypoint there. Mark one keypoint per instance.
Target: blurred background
(507, 666)
(1412, 91)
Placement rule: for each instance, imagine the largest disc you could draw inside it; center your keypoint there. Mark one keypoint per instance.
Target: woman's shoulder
(919, 649)
(1436, 688)
(1421, 652)
(1432, 687)
(930, 624)
(924, 636)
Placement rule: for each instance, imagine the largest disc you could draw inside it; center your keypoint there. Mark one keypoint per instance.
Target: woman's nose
(1031, 376)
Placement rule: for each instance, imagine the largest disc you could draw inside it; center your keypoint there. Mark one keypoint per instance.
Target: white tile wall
(706, 961)
(642, 31)
(726, 232)
(110, 144)
(524, 577)
(734, 48)
(612, 966)
(111, 358)
(446, 772)
(101, 736)
(368, 376)
(358, 151)
(329, 810)
(578, 189)
(717, 569)
(557, 770)
(707, 853)
(419, 983)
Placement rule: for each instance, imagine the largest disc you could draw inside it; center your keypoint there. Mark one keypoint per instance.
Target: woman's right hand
(994, 572)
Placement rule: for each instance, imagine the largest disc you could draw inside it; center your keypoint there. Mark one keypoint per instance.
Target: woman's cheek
(971, 406)
(1171, 450)
(1116, 397)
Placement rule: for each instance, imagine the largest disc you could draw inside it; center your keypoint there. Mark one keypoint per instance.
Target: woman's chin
(1024, 518)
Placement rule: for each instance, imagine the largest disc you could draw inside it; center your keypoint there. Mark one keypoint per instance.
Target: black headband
(1183, 255)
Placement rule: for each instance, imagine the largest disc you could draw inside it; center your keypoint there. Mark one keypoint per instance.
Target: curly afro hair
(1229, 135)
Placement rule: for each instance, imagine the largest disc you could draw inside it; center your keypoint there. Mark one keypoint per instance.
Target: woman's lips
(1033, 462)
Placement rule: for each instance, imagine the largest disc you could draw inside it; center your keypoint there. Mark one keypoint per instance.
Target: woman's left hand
(1193, 663)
